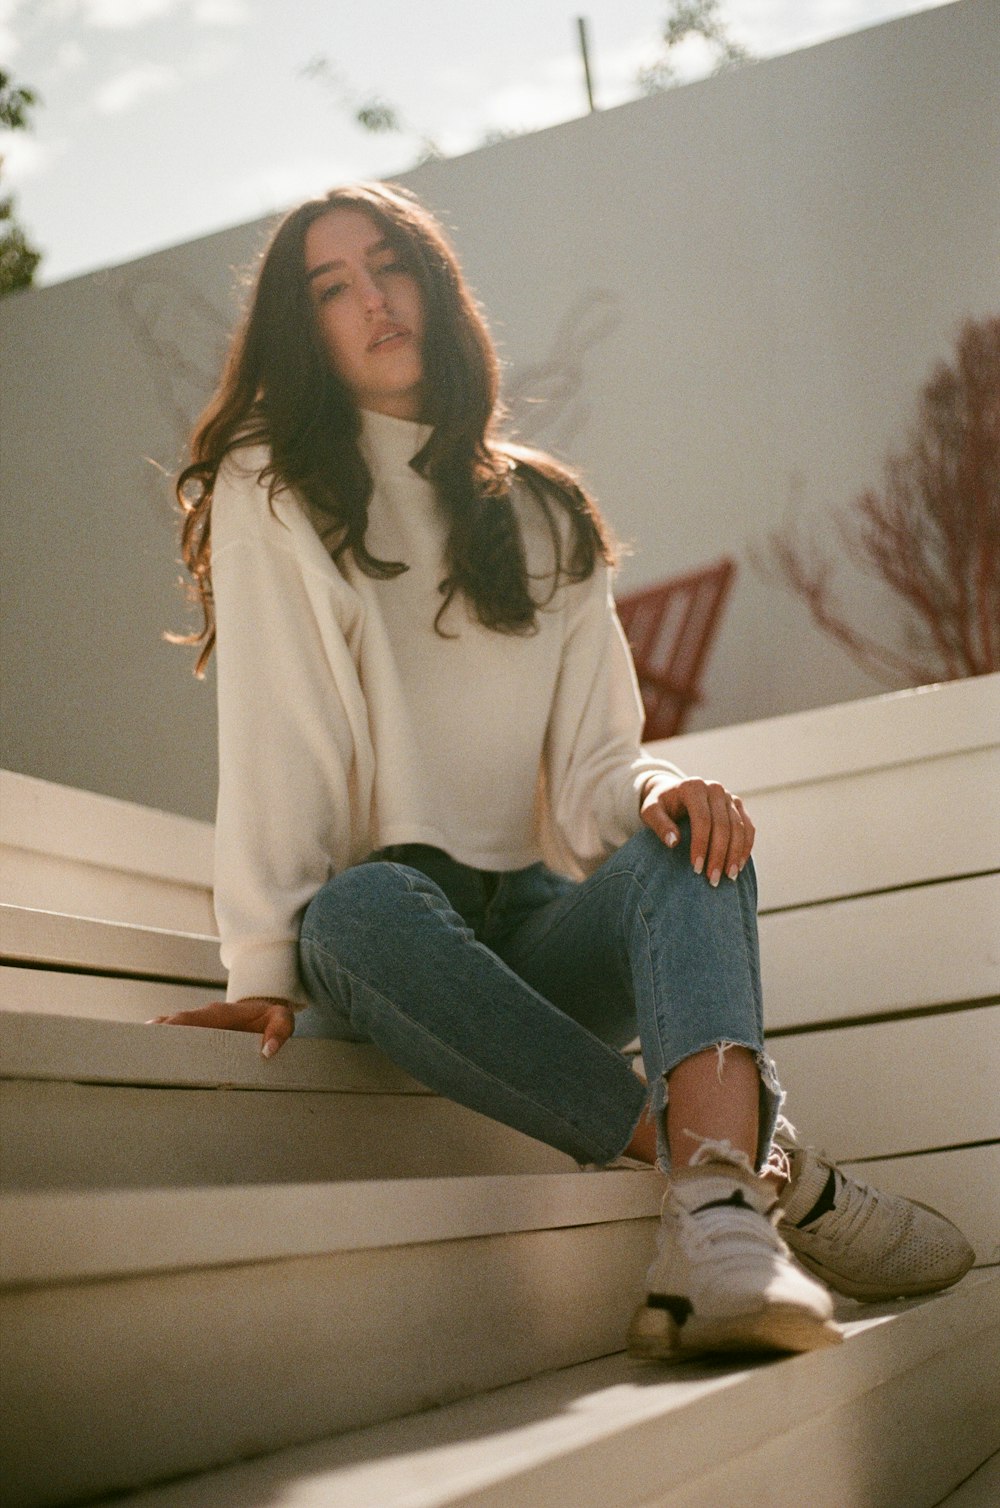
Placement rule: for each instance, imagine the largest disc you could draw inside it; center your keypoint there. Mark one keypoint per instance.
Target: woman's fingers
(278, 1027)
(274, 1019)
(653, 811)
(749, 831)
(722, 834)
(223, 1013)
(719, 838)
(735, 851)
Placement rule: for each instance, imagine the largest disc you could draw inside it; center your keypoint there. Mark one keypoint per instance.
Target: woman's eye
(331, 292)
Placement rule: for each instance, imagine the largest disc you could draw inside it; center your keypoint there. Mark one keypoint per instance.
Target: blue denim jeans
(514, 993)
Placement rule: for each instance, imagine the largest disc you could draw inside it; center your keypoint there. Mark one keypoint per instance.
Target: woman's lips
(389, 340)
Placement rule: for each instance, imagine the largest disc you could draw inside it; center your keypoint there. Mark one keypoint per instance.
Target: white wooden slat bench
(879, 867)
(208, 1257)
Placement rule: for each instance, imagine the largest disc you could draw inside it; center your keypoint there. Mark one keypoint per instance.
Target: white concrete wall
(719, 297)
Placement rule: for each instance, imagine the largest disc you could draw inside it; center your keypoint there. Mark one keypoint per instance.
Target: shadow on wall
(181, 338)
(547, 401)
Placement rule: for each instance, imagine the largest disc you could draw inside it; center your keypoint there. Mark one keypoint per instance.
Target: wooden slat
(981, 1490)
(55, 939)
(97, 996)
(93, 829)
(901, 951)
(124, 1052)
(878, 829)
(128, 1382)
(963, 1184)
(900, 1086)
(827, 742)
(133, 1382)
(72, 1237)
(51, 883)
(60, 1135)
(606, 1433)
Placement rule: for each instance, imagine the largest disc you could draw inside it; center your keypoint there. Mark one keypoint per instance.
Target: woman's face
(369, 312)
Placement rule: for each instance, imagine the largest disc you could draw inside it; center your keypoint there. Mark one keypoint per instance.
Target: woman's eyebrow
(370, 251)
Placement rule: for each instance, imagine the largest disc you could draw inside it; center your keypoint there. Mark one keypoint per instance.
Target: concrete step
(842, 959)
(154, 1332)
(106, 1104)
(58, 940)
(68, 850)
(89, 1103)
(89, 1136)
(103, 997)
(90, 1051)
(981, 1490)
(897, 1416)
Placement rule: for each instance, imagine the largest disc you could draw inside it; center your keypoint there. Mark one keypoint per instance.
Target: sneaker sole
(864, 1293)
(655, 1336)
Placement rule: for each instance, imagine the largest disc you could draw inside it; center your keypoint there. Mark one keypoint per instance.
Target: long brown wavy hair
(277, 389)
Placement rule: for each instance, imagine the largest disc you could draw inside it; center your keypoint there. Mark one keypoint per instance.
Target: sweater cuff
(669, 774)
(270, 969)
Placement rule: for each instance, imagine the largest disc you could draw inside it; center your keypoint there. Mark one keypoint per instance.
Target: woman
(437, 830)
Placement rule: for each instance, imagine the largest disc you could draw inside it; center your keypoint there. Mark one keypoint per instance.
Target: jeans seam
(447, 1048)
(625, 874)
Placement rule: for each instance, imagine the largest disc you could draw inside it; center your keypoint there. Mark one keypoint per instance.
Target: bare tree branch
(931, 535)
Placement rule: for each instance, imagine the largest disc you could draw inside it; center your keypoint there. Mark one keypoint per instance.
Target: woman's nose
(372, 296)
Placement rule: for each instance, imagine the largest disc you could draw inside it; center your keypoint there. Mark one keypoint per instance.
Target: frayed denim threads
(515, 993)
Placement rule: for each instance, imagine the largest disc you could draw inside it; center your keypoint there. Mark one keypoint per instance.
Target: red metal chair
(670, 628)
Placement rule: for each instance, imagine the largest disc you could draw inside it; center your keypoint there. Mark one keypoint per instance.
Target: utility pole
(581, 23)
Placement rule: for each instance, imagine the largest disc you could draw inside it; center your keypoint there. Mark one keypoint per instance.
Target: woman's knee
(647, 857)
(354, 907)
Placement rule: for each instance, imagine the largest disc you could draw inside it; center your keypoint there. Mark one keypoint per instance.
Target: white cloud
(9, 44)
(220, 12)
(117, 14)
(126, 90)
(277, 185)
(780, 26)
(69, 58)
(24, 157)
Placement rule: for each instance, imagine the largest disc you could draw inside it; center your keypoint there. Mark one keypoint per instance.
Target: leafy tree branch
(18, 258)
(692, 18)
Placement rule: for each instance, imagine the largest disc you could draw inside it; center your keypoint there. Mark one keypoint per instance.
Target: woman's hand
(721, 832)
(273, 1018)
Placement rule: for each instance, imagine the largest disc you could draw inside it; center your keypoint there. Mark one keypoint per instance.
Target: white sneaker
(865, 1243)
(723, 1279)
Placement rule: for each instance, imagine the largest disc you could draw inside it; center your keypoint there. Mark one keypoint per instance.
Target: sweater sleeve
(594, 763)
(285, 774)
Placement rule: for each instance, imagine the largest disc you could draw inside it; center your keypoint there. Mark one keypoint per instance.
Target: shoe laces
(854, 1204)
(712, 1150)
(727, 1234)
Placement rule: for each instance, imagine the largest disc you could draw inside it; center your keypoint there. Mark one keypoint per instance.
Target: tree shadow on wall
(546, 401)
(181, 338)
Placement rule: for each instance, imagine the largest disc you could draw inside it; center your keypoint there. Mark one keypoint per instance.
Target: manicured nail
(671, 840)
(155, 1020)
(699, 865)
(715, 877)
(269, 1049)
(734, 873)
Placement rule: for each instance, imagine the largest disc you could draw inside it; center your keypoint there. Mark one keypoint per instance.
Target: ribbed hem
(269, 969)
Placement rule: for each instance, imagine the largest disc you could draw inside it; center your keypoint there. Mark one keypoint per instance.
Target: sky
(163, 120)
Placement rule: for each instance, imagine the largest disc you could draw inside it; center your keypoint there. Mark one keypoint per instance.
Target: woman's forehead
(342, 235)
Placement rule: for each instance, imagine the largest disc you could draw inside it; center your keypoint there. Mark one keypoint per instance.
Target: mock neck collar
(389, 444)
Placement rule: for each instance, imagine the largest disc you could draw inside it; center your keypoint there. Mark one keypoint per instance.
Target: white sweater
(347, 723)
